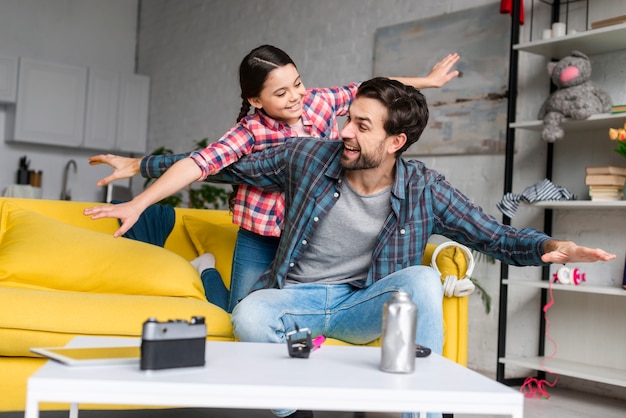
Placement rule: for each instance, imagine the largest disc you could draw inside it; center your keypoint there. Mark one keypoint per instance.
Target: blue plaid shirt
(422, 203)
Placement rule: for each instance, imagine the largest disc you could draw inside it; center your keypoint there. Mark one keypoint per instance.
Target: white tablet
(91, 356)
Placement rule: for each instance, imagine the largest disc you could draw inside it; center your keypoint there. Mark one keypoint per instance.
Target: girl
(283, 108)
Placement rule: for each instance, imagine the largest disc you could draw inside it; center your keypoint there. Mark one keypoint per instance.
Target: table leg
(32, 407)
(74, 410)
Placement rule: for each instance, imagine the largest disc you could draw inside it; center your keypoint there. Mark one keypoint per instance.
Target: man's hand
(440, 74)
(123, 167)
(562, 252)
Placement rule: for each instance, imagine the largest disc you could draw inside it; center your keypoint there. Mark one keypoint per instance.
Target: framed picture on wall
(468, 115)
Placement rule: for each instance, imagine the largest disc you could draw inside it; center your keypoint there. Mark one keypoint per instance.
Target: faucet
(65, 193)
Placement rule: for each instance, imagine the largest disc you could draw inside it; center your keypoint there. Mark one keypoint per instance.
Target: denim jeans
(253, 255)
(341, 311)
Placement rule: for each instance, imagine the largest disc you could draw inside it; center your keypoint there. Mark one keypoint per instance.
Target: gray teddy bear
(576, 96)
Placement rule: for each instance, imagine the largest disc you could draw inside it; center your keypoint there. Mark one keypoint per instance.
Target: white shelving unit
(580, 204)
(593, 123)
(603, 304)
(598, 290)
(571, 368)
(596, 41)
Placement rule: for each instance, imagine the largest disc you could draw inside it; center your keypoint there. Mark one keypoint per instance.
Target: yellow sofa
(63, 275)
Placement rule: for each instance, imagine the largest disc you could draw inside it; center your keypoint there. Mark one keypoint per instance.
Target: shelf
(594, 122)
(597, 322)
(594, 41)
(582, 288)
(571, 368)
(580, 204)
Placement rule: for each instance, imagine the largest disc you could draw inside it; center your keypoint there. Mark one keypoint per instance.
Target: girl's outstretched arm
(180, 175)
(439, 76)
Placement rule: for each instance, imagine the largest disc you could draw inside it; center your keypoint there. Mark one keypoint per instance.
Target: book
(606, 169)
(608, 22)
(91, 356)
(621, 108)
(602, 188)
(605, 179)
(601, 192)
(606, 191)
(607, 198)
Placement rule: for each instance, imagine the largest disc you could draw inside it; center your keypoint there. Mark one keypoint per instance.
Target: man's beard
(364, 161)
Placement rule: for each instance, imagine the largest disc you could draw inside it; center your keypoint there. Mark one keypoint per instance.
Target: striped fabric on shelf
(541, 191)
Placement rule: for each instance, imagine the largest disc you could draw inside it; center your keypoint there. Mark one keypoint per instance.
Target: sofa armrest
(455, 309)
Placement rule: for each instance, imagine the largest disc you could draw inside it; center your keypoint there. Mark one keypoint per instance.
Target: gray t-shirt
(340, 250)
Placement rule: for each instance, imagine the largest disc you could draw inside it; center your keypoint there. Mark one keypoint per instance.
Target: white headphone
(452, 285)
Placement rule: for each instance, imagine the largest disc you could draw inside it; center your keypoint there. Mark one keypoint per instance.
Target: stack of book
(606, 182)
(618, 108)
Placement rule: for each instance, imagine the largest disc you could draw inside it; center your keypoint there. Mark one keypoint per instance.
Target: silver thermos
(398, 339)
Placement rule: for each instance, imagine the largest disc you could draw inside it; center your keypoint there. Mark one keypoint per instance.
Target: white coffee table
(263, 376)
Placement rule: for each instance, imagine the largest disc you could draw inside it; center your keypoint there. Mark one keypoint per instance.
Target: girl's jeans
(253, 255)
(341, 311)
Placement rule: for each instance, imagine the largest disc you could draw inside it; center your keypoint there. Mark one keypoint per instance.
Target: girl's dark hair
(407, 111)
(254, 69)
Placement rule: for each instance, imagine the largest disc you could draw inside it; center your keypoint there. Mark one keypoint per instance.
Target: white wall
(192, 50)
(94, 33)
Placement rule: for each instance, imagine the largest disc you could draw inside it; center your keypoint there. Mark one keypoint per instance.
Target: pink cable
(318, 341)
(539, 391)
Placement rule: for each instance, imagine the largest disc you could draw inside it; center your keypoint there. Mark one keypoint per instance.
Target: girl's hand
(440, 74)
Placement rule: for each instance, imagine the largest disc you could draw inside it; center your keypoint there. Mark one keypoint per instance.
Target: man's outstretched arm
(562, 252)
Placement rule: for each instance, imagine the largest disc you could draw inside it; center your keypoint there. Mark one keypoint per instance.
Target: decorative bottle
(398, 338)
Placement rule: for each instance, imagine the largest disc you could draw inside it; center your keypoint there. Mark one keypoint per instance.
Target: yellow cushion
(37, 252)
(218, 240)
(53, 318)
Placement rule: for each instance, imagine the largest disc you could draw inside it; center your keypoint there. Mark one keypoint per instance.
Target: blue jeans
(253, 255)
(342, 311)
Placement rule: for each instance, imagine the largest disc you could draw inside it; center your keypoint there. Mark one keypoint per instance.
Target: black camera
(299, 343)
(173, 344)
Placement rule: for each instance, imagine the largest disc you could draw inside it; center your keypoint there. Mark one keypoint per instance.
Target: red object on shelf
(506, 6)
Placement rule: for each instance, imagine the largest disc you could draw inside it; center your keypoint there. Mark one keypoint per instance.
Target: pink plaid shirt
(256, 210)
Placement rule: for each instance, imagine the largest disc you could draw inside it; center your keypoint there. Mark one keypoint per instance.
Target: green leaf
(485, 297)
(621, 148)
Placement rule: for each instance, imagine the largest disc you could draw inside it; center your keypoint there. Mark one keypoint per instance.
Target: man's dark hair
(407, 111)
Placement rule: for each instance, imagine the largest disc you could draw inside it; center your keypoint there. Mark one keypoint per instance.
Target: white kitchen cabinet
(50, 105)
(102, 102)
(8, 78)
(72, 106)
(132, 114)
(117, 111)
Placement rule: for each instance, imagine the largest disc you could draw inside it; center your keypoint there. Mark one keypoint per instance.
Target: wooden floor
(562, 403)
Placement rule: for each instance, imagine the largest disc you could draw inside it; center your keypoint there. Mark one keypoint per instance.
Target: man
(358, 219)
